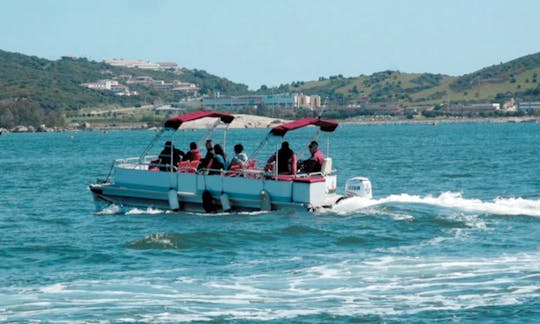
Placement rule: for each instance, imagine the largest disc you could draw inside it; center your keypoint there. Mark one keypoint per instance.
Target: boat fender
(173, 200)
(225, 202)
(208, 202)
(266, 203)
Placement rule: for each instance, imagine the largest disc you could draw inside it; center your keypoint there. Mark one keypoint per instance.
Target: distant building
(140, 64)
(167, 65)
(101, 84)
(143, 79)
(109, 85)
(379, 108)
(133, 64)
(285, 100)
(176, 85)
(529, 106)
(185, 87)
(233, 102)
(510, 105)
(466, 110)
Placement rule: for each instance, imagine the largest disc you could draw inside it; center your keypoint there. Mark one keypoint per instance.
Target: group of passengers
(216, 159)
(287, 163)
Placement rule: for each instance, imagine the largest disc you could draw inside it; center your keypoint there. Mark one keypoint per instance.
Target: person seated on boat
(168, 152)
(193, 154)
(209, 155)
(286, 158)
(240, 160)
(314, 163)
(219, 161)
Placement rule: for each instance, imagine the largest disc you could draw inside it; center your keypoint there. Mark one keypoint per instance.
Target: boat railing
(151, 163)
(136, 162)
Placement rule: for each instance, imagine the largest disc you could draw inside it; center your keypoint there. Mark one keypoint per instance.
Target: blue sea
(452, 234)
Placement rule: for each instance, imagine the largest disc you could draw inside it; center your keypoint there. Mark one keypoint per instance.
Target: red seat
(251, 164)
(188, 166)
(193, 166)
(232, 169)
(153, 166)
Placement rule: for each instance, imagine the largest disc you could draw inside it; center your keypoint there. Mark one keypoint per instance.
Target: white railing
(136, 163)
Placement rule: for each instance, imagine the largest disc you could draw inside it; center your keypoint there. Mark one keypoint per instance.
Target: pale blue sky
(271, 42)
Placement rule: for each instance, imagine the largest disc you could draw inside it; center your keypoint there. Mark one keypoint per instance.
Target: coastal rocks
(29, 129)
(20, 129)
(44, 129)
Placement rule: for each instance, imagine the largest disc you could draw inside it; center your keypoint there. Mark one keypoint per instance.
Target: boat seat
(251, 164)
(234, 170)
(251, 171)
(326, 167)
(193, 166)
(188, 166)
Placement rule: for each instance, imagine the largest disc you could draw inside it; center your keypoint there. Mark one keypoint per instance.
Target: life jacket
(194, 155)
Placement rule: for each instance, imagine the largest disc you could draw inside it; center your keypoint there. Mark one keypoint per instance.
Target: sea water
(452, 234)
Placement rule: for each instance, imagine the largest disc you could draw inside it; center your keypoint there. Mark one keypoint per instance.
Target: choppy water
(452, 234)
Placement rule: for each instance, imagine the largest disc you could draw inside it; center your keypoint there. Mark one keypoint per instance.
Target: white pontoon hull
(134, 186)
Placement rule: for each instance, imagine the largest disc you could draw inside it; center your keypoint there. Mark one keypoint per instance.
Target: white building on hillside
(109, 85)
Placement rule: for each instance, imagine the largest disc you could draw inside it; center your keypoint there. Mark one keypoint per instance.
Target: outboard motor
(358, 187)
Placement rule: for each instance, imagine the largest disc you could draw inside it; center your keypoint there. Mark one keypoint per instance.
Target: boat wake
(499, 206)
(110, 210)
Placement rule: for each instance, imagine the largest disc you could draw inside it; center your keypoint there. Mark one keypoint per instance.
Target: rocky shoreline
(252, 121)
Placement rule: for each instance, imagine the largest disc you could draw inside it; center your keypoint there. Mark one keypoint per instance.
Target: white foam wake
(499, 206)
(109, 210)
(147, 211)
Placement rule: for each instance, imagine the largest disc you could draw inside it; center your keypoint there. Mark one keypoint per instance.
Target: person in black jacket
(169, 152)
(209, 155)
(285, 159)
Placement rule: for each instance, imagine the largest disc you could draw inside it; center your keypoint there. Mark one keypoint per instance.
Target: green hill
(497, 83)
(55, 86)
(35, 90)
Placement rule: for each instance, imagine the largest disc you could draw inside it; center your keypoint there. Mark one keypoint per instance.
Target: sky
(275, 42)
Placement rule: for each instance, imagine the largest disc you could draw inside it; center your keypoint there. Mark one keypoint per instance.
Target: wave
(156, 241)
(147, 211)
(110, 210)
(369, 286)
(499, 206)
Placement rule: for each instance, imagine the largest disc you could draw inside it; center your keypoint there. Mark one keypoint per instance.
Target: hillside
(497, 83)
(57, 84)
(35, 90)
(41, 87)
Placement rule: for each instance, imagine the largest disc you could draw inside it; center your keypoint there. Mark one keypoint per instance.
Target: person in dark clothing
(169, 152)
(193, 154)
(284, 160)
(209, 155)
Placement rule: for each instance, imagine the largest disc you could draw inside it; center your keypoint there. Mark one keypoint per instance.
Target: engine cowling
(358, 187)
